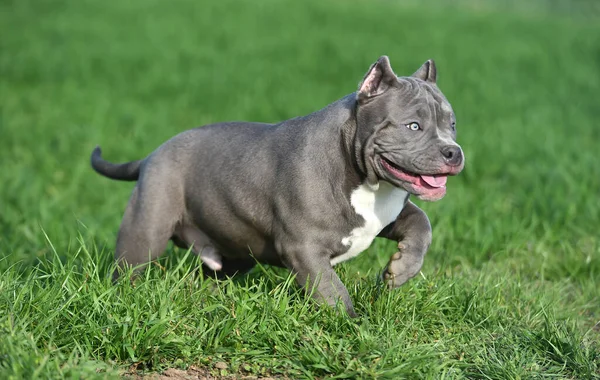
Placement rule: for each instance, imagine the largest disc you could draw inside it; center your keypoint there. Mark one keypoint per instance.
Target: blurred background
(523, 78)
(510, 284)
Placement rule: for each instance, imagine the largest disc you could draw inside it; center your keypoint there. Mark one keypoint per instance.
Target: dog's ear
(427, 72)
(379, 78)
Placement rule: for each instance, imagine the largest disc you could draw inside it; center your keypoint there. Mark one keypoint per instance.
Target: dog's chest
(378, 208)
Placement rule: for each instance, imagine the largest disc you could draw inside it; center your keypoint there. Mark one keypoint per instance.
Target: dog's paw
(403, 265)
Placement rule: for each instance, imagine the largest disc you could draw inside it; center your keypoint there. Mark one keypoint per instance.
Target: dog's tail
(129, 171)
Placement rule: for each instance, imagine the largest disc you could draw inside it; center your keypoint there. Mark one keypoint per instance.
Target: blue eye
(413, 126)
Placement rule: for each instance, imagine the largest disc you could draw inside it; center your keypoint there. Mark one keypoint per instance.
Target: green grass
(509, 289)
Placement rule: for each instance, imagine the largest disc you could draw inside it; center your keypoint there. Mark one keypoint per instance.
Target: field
(510, 288)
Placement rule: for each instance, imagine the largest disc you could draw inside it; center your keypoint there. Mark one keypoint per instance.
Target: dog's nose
(452, 154)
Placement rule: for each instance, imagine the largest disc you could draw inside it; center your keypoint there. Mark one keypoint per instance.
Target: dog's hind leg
(149, 221)
(191, 236)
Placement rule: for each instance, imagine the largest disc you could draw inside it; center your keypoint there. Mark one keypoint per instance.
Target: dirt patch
(196, 373)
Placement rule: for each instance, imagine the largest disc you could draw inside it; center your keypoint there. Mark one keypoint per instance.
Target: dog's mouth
(425, 187)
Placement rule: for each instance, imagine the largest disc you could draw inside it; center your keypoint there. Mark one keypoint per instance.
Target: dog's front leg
(315, 274)
(412, 231)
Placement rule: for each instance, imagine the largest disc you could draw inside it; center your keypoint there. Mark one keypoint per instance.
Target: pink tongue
(434, 181)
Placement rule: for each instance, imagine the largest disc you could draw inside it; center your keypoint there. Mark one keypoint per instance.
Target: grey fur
(282, 192)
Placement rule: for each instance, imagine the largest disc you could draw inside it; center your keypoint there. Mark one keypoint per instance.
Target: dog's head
(406, 131)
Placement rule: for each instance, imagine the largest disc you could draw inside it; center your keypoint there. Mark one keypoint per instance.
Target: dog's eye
(413, 126)
(453, 126)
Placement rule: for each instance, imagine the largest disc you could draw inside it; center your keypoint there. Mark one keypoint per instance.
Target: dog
(306, 193)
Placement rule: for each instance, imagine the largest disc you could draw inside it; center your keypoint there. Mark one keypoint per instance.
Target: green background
(510, 286)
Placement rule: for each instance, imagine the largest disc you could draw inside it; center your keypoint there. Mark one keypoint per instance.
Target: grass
(509, 289)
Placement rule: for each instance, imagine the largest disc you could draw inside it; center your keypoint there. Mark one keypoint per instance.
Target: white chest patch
(378, 208)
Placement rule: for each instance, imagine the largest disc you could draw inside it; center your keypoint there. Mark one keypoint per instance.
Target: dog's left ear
(379, 78)
(427, 72)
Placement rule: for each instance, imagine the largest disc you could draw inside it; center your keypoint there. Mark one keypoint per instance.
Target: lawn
(510, 286)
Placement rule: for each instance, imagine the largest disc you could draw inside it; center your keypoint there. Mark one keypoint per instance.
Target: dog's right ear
(379, 78)
(427, 72)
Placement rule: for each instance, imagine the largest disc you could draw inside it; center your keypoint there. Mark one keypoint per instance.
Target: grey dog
(306, 193)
